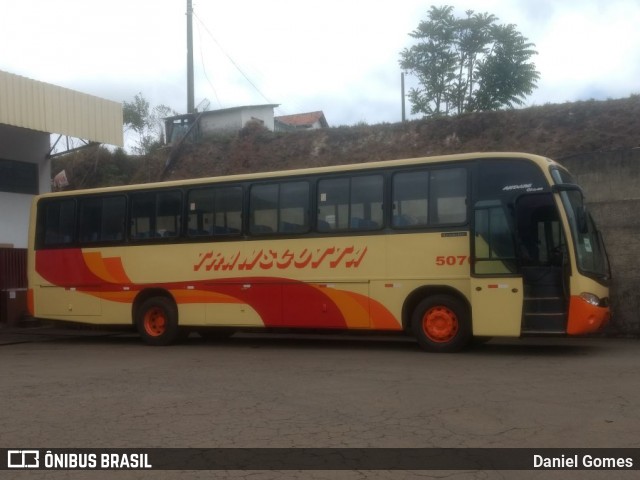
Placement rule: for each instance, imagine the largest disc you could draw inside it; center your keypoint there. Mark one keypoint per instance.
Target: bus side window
(264, 209)
(429, 198)
(168, 214)
(102, 219)
(228, 213)
(155, 215)
(56, 223)
(410, 199)
(201, 212)
(294, 207)
(279, 208)
(142, 213)
(494, 242)
(366, 202)
(333, 204)
(215, 211)
(448, 193)
(353, 203)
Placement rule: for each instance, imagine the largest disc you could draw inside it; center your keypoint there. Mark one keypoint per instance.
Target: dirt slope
(555, 130)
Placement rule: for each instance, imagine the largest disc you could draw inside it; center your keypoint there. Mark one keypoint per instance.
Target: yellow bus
(445, 249)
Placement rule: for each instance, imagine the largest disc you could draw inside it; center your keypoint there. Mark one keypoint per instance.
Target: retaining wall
(611, 182)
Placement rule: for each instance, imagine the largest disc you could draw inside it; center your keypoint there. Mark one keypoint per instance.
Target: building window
(18, 177)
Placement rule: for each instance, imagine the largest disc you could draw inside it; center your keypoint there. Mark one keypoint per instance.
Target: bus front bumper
(586, 315)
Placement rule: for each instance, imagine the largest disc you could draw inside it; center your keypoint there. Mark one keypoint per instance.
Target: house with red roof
(301, 121)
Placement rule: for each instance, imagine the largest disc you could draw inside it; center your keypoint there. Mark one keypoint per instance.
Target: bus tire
(157, 321)
(441, 323)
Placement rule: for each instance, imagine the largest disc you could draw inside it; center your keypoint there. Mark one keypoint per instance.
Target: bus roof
(540, 160)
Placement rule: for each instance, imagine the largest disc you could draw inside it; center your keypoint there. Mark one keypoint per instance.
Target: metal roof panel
(48, 108)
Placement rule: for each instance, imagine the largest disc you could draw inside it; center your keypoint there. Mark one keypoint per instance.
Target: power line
(204, 69)
(246, 77)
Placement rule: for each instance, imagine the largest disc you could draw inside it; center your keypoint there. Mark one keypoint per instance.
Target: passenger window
(102, 219)
(215, 211)
(279, 208)
(57, 225)
(333, 204)
(353, 203)
(169, 214)
(142, 216)
(449, 196)
(429, 197)
(410, 199)
(264, 209)
(294, 207)
(155, 215)
(366, 202)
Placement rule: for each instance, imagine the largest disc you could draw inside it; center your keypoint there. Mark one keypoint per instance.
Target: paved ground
(106, 390)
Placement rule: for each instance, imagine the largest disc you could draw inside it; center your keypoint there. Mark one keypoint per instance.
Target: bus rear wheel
(157, 321)
(441, 323)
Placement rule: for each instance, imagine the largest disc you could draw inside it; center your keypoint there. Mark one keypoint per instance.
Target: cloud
(593, 50)
(337, 56)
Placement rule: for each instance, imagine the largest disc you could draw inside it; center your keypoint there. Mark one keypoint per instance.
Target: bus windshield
(591, 256)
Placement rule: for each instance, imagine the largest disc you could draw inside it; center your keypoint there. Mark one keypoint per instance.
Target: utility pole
(190, 93)
(402, 97)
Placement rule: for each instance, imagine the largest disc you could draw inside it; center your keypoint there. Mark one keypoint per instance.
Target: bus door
(543, 262)
(496, 285)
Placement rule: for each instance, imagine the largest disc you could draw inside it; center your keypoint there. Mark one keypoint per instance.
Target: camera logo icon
(23, 459)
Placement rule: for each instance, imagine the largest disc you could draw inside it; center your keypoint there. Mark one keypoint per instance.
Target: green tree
(467, 64)
(505, 75)
(146, 122)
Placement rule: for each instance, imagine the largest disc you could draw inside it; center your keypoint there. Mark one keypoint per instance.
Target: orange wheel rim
(155, 322)
(440, 324)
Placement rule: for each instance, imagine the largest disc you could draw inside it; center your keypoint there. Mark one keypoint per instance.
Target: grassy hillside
(557, 131)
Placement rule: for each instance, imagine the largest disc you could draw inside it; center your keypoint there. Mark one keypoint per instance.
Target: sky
(338, 56)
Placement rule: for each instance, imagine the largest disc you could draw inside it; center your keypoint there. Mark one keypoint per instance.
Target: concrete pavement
(107, 390)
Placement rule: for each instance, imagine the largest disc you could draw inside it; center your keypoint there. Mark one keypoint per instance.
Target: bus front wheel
(441, 323)
(157, 321)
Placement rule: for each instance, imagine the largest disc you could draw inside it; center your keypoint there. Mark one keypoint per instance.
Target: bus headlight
(590, 298)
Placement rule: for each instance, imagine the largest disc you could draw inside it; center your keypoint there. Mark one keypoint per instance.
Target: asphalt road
(104, 390)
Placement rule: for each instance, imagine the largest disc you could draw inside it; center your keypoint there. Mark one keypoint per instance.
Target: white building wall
(262, 113)
(233, 119)
(221, 120)
(29, 146)
(14, 219)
